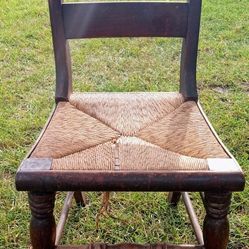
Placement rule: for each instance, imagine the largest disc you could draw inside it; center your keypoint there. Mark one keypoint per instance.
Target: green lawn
(26, 90)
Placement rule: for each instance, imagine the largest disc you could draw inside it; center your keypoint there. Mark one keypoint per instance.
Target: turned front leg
(42, 225)
(216, 225)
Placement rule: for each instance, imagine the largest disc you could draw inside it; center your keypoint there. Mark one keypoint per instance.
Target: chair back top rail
(125, 19)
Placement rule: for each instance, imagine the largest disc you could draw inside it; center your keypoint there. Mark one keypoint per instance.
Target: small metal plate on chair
(223, 165)
(36, 164)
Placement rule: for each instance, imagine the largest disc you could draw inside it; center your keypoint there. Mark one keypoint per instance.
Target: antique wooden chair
(128, 141)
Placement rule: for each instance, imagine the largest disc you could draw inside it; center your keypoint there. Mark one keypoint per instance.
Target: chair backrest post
(189, 52)
(61, 52)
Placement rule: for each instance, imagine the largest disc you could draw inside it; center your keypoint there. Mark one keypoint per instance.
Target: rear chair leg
(42, 225)
(216, 225)
(80, 198)
(173, 198)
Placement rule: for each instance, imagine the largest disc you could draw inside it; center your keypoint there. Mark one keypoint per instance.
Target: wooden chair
(128, 141)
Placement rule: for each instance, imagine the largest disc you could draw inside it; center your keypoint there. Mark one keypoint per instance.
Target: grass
(26, 90)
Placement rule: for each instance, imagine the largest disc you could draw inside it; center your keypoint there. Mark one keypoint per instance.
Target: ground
(26, 90)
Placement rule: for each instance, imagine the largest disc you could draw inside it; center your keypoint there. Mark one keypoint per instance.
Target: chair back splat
(125, 19)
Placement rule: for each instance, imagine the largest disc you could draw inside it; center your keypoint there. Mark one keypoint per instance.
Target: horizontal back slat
(125, 19)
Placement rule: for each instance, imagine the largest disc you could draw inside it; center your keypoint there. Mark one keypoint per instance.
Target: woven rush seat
(128, 131)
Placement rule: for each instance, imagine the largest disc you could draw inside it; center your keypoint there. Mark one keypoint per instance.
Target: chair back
(125, 19)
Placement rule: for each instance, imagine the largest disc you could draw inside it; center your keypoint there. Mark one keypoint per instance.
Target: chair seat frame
(36, 176)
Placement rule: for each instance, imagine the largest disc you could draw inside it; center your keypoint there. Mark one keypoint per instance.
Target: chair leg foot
(216, 224)
(42, 225)
(80, 199)
(174, 198)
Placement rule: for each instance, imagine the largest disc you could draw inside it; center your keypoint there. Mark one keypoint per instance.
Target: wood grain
(216, 224)
(125, 19)
(188, 86)
(42, 225)
(61, 52)
(52, 180)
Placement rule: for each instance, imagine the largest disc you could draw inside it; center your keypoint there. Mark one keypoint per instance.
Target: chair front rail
(36, 175)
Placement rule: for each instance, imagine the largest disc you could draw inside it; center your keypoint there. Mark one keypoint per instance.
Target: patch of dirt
(220, 89)
(245, 86)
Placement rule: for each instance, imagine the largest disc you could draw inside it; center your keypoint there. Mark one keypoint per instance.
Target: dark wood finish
(61, 52)
(174, 198)
(80, 198)
(193, 217)
(216, 225)
(42, 225)
(122, 19)
(52, 180)
(189, 52)
(125, 19)
(132, 246)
